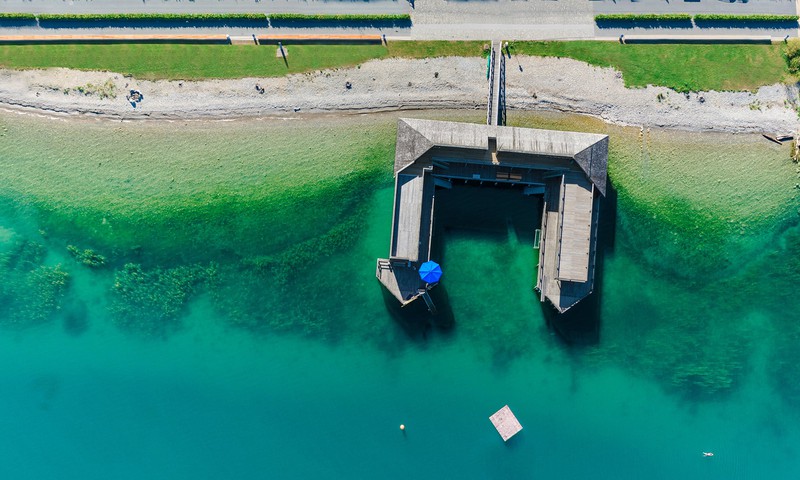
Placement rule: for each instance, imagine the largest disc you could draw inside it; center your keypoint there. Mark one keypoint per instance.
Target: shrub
(716, 17)
(793, 47)
(643, 17)
(794, 65)
(17, 16)
(793, 55)
(121, 17)
(301, 17)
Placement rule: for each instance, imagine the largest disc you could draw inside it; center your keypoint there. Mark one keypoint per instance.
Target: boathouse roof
(514, 146)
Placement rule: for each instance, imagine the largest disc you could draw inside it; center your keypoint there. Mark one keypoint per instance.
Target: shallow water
(235, 328)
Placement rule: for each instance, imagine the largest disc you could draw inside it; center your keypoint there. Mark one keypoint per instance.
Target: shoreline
(46, 112)
(386, 85)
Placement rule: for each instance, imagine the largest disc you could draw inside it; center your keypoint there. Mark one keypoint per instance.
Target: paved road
(433, 19)
(736, 7)
(205, 6)
(574, 19)
(479, 20)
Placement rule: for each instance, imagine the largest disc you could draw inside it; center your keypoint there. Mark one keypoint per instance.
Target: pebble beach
(533, 83)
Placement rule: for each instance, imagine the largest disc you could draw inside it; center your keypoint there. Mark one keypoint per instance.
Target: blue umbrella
(430, 272)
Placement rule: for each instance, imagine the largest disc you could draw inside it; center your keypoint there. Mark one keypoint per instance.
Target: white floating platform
(506, 423)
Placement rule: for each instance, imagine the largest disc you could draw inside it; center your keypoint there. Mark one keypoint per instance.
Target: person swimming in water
(708, 454)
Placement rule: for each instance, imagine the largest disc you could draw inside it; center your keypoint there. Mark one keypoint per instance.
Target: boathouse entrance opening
(498, 211)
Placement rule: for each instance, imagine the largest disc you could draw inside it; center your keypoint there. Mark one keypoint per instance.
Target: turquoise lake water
(252, 370)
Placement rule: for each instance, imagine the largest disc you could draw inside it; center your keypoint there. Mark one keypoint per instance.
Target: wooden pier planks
(576, 229)
(411, 235)
(563, 294)
(548, 252)
(402, 281)
(408, 218)
(413, 215)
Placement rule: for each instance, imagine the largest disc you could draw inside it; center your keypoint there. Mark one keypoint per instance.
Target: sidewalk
(205, 6)
(190, 38)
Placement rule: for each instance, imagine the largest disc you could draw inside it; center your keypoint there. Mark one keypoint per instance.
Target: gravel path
(544, 83)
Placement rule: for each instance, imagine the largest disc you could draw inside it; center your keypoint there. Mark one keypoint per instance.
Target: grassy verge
(681, 67)
(194, 62)
(440, 48)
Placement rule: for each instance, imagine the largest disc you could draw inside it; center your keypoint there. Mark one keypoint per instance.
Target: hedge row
(744, 18)
(300, 17)
(17, 16)
(289, 17)
(642, 17)
(91, 17)
(685, 17)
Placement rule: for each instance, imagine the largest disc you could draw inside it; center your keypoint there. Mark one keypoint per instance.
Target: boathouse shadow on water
(497, 213)
(581, 325)
(493, 212)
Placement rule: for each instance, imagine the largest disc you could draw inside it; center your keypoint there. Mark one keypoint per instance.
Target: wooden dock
(412, 234)
(413, 217)
(567, 244)
(575, 211)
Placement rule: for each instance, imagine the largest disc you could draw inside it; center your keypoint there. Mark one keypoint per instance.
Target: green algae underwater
(139, 253)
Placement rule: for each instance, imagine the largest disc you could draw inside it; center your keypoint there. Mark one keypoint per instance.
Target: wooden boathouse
(568, 168)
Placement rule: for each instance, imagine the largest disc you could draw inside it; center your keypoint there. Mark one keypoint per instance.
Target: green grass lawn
(188, 62)
(191, 62)
(681, 67)
(437, 48)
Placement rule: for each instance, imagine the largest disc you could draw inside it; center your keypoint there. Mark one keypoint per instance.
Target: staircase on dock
(496, 108)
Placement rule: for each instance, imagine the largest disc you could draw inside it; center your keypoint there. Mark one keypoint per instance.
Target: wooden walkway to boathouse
(496, 105)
